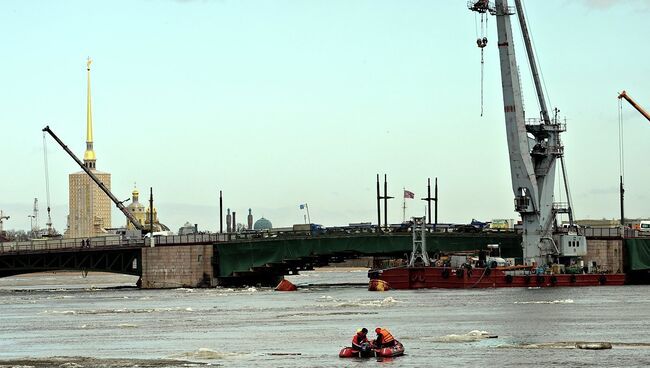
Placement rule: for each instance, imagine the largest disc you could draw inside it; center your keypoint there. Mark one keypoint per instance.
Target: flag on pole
(408, 194)
(302, 206)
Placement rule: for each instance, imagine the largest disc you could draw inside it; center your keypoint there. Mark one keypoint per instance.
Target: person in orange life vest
(384, 338)
(360, 340)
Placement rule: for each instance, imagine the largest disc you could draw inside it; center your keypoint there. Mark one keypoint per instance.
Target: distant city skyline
(282, 103)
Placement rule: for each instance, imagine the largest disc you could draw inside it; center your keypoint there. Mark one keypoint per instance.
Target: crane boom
(634, 104)
(101, 185)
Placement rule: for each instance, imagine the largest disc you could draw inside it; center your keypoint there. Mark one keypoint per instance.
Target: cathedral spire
(89, 155)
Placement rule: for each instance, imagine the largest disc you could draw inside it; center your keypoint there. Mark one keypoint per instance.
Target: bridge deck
(278, 256)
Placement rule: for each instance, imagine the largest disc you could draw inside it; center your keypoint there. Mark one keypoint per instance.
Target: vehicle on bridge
(501, 225)
(644, 226)
(157, 234)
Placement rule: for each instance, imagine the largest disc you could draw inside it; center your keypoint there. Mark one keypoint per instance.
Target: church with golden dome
(143, 214)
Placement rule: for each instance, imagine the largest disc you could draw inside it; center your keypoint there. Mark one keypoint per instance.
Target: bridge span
(206, 260)
(223, 259)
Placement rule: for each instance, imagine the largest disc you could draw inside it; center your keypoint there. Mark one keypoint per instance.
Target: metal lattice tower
(419, 242)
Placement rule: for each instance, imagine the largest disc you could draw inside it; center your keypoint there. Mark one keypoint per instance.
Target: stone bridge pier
(168, 267)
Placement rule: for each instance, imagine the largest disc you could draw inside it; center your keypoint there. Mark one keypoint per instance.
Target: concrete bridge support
(167, 267)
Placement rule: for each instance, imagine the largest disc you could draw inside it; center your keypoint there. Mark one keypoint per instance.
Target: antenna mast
(47, 187)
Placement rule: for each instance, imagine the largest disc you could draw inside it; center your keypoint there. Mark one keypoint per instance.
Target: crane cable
(481, 42)
(539, 63)
(621, 156)
(47, 186)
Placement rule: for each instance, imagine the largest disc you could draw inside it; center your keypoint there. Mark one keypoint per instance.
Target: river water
(66, 320)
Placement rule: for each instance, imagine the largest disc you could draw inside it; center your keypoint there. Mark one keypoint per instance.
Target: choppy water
(64, 320)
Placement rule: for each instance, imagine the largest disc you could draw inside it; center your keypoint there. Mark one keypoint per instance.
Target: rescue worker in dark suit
(360, 340)
(384, 338)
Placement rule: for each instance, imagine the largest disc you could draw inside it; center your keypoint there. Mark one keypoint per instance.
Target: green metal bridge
(237, 261)
(265, 261)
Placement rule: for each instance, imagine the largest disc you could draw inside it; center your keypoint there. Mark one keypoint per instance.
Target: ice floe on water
(186, 290)
(560, 345)
(565, 301)
(473, 335)
(386, 302)
(86, 362)
(63, 312)
(119, 311)
(205, 354)
(127, 325)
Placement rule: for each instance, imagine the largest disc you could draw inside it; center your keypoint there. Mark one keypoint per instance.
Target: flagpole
(404, 205)
(308, 219)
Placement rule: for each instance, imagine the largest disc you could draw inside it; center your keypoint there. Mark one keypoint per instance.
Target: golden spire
(89, 155)
(135, 193)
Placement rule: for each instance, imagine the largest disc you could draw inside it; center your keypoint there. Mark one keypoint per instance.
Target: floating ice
(65, 312)
(127, 325)
(367, 303)
(565, 301)
(204, 354)
(473, 335)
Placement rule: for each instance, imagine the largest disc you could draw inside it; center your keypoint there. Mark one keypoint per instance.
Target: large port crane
(534, 145)
(634, 104)
(101, 185)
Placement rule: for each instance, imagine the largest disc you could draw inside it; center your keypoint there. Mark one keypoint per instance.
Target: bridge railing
(109, 241)
(187, 239)
(64, 243)
(608, 232)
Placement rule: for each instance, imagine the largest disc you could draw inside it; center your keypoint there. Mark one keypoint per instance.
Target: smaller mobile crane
(101, 185)
(634, 104)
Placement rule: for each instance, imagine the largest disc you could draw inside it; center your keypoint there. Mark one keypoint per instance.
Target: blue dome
(262, 224)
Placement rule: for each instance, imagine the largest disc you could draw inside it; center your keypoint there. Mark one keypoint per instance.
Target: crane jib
(101, 185)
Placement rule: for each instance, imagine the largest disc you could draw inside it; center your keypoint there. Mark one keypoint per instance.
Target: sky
(283, 102)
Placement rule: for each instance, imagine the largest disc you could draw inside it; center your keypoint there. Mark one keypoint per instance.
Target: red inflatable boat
(392, 351)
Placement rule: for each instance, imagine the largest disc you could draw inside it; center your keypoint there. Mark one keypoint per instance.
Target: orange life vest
(385, 336)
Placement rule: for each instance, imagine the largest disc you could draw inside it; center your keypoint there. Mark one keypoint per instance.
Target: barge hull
(481, 278)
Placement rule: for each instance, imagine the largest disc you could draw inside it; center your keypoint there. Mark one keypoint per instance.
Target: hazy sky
(284, 102)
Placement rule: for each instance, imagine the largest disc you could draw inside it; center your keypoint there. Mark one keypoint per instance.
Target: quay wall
(166, 267)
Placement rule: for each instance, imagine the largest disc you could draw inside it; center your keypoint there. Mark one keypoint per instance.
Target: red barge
(466, 278)
(485, 271)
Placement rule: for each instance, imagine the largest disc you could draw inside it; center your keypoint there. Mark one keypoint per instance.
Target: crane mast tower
(534, 148)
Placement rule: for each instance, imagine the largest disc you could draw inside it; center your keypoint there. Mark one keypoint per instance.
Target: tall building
(90, 208)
